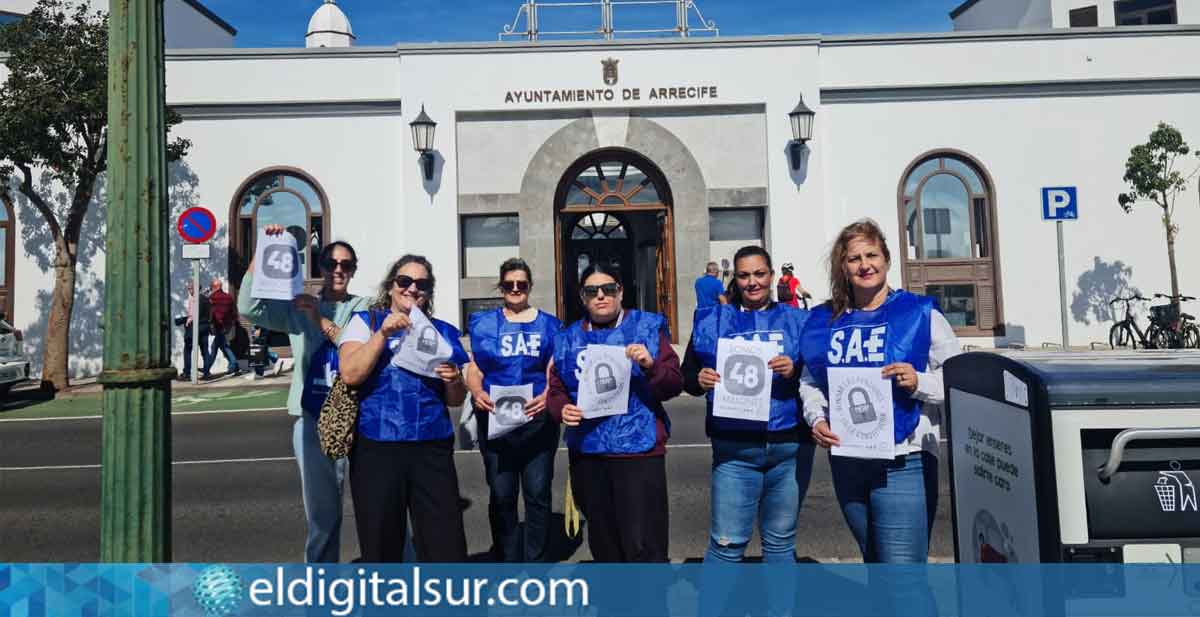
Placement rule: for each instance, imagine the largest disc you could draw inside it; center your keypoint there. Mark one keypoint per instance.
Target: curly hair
(383, 300)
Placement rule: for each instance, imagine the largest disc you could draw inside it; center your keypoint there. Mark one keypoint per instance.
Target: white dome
(329, 27)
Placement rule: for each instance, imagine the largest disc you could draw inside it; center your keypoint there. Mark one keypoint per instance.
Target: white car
(14, 367)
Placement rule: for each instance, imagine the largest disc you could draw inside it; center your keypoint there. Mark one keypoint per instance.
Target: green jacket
(305, 336)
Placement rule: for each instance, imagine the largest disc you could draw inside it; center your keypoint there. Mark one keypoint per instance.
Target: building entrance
(615, 207)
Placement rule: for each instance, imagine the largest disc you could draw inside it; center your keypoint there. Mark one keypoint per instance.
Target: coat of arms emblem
(610, 71)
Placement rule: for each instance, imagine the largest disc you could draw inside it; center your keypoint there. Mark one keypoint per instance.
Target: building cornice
(286, 109)
(1008, 35)
(1030, 89)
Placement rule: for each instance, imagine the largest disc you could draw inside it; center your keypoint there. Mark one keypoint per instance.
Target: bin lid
(1097, 379)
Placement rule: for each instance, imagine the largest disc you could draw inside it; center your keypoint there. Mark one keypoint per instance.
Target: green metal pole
(136, 472)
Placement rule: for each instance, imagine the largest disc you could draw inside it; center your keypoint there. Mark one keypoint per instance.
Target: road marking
(274, 459)
(173, 413)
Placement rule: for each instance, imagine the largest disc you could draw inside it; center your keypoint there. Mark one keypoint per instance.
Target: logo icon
(218, 591)
(747, 374)
(606, 380)
(862, 410)
(1175, 490)
(280, 261)
(610, 71)
(427, 342)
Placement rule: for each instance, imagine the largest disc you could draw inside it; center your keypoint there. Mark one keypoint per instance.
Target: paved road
(236, 493)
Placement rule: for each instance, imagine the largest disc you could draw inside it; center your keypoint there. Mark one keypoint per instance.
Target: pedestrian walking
(313, 325)
(709, 289)
(223, 322)
(760, 470)
(402, 464)
(197, 309)
(889, 504)
(618, 463)
(513, 346)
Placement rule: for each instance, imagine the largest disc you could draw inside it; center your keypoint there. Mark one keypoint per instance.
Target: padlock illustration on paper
(606, 381)
(862, 410)
(427, 342)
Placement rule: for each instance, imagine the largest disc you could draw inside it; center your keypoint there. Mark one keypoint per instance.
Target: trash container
(1074, 457)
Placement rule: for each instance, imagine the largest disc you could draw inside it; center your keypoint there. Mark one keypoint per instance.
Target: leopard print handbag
(339, 416)
(339, 420)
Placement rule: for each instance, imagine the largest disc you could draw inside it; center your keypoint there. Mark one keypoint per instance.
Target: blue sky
(281, 23)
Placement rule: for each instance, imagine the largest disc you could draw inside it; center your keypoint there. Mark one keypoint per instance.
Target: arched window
(283, 196)
(599, 226)
(616, 183)
(948, 250)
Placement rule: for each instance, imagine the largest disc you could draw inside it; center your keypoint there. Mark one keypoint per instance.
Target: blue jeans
(889, 505)
(521, 466)
(757, 480)
(322, 481)
(205, 354)
(221, 343)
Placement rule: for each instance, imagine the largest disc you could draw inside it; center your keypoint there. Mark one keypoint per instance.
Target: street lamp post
(136, 472)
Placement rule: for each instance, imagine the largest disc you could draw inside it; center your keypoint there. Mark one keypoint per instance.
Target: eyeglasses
(404, 282)
(513, 287)
(609, 289)
(330, 264)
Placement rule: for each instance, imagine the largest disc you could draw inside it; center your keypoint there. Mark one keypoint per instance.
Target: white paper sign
(860, 413)
(422, 349)
(603, 375)
(1015, 390)
(277, 270)
(510, 408)
(744, 392)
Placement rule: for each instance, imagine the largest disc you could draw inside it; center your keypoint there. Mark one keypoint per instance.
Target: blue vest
(399, 405)
(897, 331)
(633, 432)
(781, 324)
(322, 369)
(513, 354)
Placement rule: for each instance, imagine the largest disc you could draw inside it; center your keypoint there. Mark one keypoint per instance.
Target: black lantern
(802, 126)
(423, 129)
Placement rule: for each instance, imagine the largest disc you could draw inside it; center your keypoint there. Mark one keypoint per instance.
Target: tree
(1152, 175)
(53, 123)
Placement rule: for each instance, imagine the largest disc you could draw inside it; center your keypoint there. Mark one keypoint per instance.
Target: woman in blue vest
(402, 464)
(889, 504)
(618, 463)
(760, 470)
(512, 346)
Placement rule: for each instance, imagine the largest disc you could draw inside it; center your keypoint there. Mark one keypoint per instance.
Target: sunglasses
(609, 289)
(513, 287)
(330, 264)
(404, 282)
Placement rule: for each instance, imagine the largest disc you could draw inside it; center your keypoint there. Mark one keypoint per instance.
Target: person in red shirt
(224, 319)
(788, 289)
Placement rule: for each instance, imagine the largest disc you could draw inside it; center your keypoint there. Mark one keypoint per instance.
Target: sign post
(1061, 204)
(196, 227)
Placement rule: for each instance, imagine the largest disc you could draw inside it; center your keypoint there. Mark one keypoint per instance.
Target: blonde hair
(841, 296)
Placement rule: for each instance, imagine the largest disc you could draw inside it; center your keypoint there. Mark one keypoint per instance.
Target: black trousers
(625, 503)
(392, 481)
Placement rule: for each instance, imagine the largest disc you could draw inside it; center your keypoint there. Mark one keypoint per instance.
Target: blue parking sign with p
(1060, 203)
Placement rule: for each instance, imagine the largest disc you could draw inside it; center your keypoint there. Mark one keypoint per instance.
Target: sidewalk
(88, 385)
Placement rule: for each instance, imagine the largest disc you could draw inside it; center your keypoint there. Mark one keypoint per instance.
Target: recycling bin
(1074, 457)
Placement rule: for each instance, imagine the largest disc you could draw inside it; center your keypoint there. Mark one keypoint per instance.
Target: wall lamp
(423, 129)
(802, 127)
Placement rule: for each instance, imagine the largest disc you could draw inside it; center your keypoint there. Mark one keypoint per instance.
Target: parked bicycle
(1177, 330)
(1126, 332)
(1169, 327)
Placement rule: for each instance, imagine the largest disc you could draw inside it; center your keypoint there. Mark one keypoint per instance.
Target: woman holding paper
(403, 459)
(899, 341)
(617, 456)
(761, 465)
(313, 324)
(511, 347)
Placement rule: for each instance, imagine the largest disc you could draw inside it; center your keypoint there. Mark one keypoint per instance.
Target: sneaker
(277, 369)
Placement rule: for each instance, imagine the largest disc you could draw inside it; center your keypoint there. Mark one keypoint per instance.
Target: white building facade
(661, 155)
